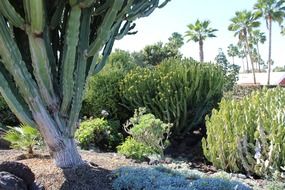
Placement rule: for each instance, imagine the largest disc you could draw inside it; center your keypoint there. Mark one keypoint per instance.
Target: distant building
(276, 78)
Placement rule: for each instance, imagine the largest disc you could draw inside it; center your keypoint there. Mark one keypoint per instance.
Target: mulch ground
(53, 178)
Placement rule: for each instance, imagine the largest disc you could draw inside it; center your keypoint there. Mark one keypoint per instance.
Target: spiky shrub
(135, 150)
(48, 50)
(24, 137)
(248, 135)
(177, 91)
(146, 129)
(99, 133)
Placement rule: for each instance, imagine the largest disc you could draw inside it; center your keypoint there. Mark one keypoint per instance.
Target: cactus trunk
(48, 49)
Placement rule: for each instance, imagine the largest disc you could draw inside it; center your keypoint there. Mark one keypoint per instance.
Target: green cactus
(177, 91)
(248, 135)
(48, 49)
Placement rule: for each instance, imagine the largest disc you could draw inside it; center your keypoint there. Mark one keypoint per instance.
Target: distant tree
(279, 69)
(243, 55)
(231, 71)
(120, 59)
(232, 52)
(175, 41)
(199, 32)
(272, 11)
(257, 38)
(156, 53)
(242, 25)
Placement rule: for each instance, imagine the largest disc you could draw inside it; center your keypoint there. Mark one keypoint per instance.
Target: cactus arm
(36, 12)
(42, 69)
(163, 4)
(106, 25)
(14, 101)
(12, 61)
(86, 3)
(106, 52)
(56, 18)
(68, 65)
(80, 70)
(8, 11)
(52, 59)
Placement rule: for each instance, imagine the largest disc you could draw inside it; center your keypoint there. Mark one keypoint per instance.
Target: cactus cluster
(248, 135)
(48, 49)
(176, 91)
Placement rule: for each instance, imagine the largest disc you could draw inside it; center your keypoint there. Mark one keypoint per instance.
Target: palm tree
(233, 52)
(242, 24)
(258, 37)
(243, 53)
(272, 11)
(198, 32)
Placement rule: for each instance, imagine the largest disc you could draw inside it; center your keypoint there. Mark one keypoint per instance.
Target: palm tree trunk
(233, 60)
(269, 50)
(243, 66)
(201, 51)
(259, 57)
(251, 61)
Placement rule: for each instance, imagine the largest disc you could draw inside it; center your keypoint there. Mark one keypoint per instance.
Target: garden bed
(104, 163)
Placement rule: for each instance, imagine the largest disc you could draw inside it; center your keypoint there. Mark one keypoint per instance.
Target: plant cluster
(99, 133)
(230, 71)
(148, 130)
(247, 135)
(24, 137)
(153, 178)
(135, 150)
(177, 91)
(103, 94)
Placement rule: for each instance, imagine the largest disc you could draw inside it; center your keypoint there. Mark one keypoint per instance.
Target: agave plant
(23, 137)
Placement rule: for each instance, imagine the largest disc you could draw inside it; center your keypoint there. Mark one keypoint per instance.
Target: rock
(154, 159)
(23, 173)
(20, 170)
(241, 176)
(9, 181)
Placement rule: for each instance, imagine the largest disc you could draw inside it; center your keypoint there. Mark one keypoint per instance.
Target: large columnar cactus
(48, 49)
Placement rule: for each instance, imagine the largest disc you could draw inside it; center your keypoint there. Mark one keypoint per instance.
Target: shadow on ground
(87, 177)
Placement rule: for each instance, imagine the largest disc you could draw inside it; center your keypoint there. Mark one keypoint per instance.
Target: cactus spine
(48, 49)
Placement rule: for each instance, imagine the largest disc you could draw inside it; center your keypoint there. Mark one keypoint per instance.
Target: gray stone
(11, 182)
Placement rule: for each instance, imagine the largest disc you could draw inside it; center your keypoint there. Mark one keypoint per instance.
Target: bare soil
(53, 178)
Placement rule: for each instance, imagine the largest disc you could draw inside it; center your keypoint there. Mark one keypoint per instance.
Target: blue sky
(179, 13)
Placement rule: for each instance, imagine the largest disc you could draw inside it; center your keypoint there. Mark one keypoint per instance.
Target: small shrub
(156, 179)
(248, 135)
(103, 94)
(149, 130)
(135, 150)
(24, 138)
(100, 133)
(176, 91)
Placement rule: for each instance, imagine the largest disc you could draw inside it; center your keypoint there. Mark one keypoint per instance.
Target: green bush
(103, 94)
(99, 133)
(135, 150)
(149, 130)
(176, 91)
(24, 138)
(248, 135)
